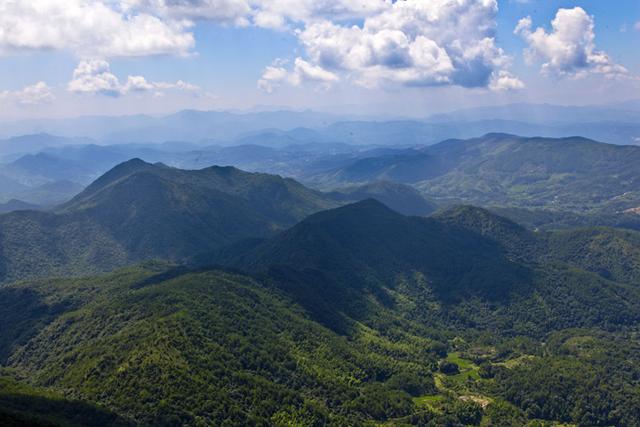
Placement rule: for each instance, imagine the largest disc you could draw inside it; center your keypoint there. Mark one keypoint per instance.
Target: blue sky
(416, 58)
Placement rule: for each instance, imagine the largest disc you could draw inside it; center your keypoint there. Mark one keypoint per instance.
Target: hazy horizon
(382, 58)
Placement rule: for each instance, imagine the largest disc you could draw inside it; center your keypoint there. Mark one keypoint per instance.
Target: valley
(291, 280)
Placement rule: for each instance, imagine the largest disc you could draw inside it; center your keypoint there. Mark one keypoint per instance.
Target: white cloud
(569, 49)
(275, 75)
(411, 43)
(37, 94)
(95, 77)
(110, 28)
(279, 13)
(637, 26)
(89, 28)
(224, 11)
(504, 81)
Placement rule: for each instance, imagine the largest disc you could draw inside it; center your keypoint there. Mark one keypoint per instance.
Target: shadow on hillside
(18, 410)
(22, 314)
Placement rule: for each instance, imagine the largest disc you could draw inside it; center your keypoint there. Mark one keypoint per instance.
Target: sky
(64, 58)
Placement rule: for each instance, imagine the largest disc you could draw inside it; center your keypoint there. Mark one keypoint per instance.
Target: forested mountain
(571, 174)
(141, 211)
(354, 315)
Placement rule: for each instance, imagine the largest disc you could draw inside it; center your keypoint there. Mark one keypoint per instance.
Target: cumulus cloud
(89, 28)
(110, 28)
(39, 93)
(406, 43)
(569, 48)
(275, 75)
(505, 81)
(281, 13)
(223, 11)
(95, 77)
(410, 43)
(278, 14)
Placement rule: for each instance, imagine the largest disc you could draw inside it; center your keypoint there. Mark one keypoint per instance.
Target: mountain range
(348, 317)
(616, 124)
(570, 174)
(168, 296)
(140, 211)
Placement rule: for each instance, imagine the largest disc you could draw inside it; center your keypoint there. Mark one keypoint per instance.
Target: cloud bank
(406, 43)
(370, 43)
(89, 28)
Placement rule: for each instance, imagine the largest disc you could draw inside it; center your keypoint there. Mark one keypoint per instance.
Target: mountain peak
(365, 208)
(117, 173)
(473, 217)
(499, 136)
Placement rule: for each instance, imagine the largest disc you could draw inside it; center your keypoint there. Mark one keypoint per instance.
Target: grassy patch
(431, 402)
(468, 369)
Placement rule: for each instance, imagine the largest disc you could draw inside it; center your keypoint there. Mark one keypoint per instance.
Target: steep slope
(366, 242)
(332, 258)
(613, 254)
(141, 211)
(203, 348)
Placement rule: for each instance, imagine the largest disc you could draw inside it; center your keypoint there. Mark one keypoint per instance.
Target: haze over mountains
(303, 269)
(617, 124)
(297, 213)
(572, 174)
(498, 170)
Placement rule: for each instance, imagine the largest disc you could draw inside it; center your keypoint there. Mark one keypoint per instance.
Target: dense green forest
(355, 316)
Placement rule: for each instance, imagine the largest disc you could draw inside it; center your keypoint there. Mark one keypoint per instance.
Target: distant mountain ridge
(572, 174)
(614, 124)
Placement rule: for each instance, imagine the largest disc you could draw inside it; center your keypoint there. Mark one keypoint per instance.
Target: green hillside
(355, 316)
(139, 211)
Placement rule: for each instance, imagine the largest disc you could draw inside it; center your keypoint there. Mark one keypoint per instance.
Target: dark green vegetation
(141, 211)
(561, 175)
(355, 316)
(21, 405)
